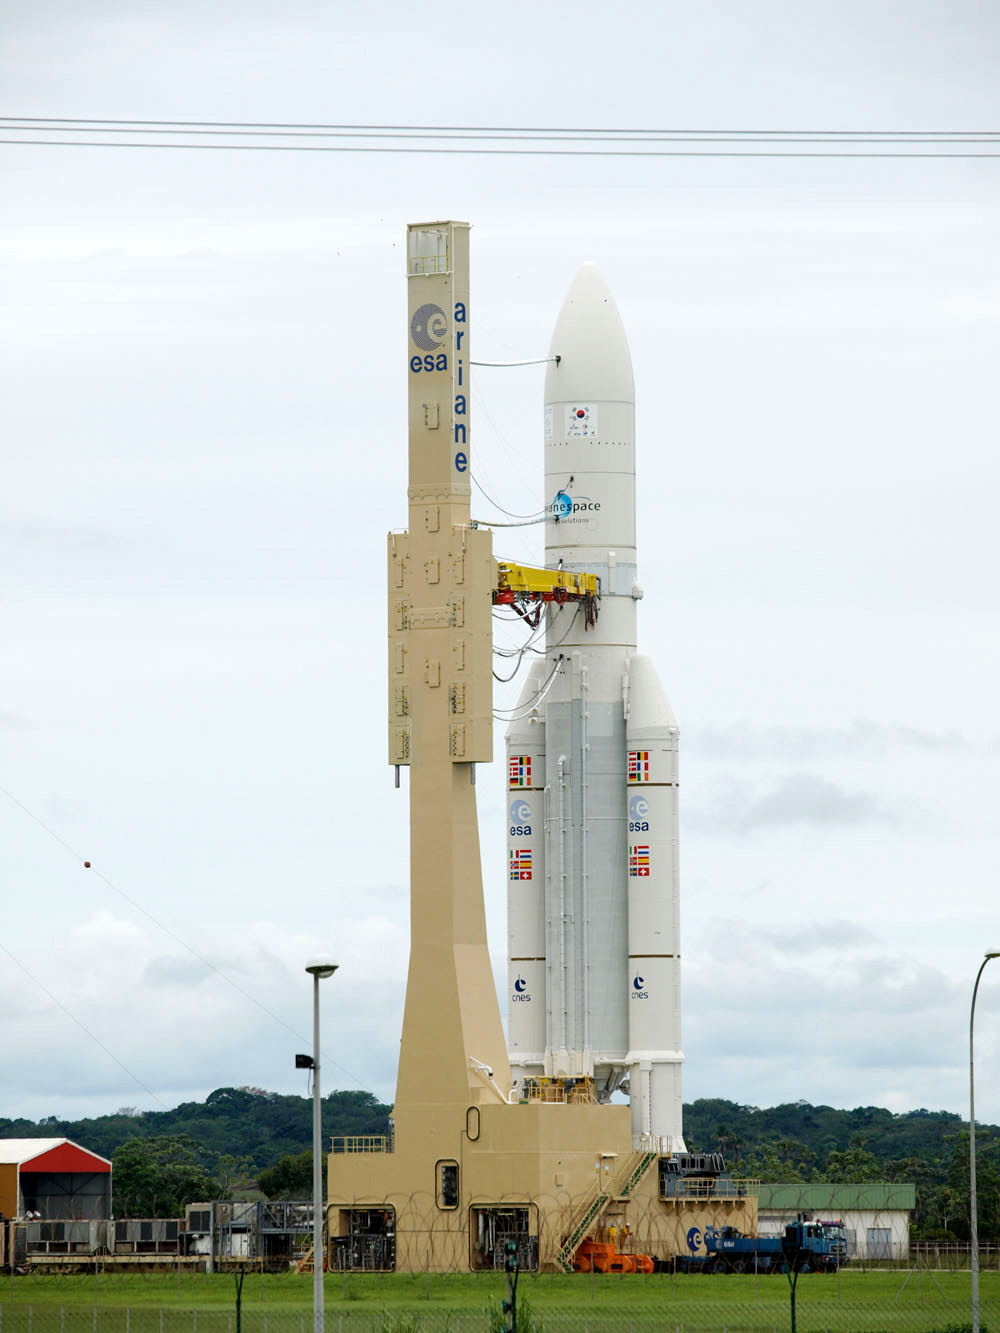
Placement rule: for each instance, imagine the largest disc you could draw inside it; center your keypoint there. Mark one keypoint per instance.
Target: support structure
(469, 1169)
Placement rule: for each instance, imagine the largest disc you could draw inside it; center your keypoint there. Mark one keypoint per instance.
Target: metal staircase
(636, 1167)
(593, 1207)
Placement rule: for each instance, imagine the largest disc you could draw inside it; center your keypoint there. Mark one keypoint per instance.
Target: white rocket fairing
(594, 949)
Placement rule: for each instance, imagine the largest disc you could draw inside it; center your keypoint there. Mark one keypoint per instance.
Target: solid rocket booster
(593, 904)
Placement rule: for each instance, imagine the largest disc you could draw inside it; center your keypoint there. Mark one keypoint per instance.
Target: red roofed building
(54, 1178)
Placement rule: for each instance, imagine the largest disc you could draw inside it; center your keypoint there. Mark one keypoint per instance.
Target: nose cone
(589, 339)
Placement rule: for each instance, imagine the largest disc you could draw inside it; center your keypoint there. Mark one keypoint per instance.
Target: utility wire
(82, 1026)
(160, 925)
(474, 129)
(507, 140)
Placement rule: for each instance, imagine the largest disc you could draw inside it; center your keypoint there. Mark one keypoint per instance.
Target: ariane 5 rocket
(593, 905)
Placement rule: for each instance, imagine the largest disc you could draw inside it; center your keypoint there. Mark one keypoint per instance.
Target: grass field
(920, 1301)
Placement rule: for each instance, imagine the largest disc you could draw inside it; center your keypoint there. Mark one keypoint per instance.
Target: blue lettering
(441, 364)
(638, 826)
(416, 364)
(460, 334)
(460, 405)
(520, 830)
(459, 312)
(461, 462)
(460, 432)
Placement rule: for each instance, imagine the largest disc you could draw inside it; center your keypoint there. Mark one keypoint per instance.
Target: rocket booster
(593, 908)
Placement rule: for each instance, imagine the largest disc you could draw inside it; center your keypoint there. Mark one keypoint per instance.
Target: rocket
(593, 895)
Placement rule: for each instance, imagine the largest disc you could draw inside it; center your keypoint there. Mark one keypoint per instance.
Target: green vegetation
(214, 1149)
(201, 1303)
(799, 1142)
(243, 1140)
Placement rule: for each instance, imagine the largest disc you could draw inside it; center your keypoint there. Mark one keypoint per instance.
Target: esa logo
(520, 819)
(429, 328)
(638, 988)
(638, 809)
(520, 995)
(694, 1239)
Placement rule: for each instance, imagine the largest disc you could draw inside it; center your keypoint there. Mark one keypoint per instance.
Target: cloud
(823, 1013)
(122, 1018)
(803, 798)
(863, 738)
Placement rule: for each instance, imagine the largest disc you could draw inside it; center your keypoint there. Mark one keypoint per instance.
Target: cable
(536, 361)
(82, 1026)
(512, 714)
(166, 930)
(522, 523)
(533, 518)
(564, 141)
(472, 129)
(505, 152)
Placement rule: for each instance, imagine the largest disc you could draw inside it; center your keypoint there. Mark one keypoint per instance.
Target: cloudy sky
(202, 427)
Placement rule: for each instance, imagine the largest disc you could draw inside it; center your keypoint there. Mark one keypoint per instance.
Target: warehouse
(53, 1178)
(875, 1216)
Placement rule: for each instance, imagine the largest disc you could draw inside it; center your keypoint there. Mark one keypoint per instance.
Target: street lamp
(318, 968)
(973, 1208)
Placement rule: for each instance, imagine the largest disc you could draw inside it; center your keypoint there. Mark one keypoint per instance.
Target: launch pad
(482, 1154)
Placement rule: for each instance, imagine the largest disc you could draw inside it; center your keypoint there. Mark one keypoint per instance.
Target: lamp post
(318, 969)
(973, 1207)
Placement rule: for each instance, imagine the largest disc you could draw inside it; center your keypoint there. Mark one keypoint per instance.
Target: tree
(156, 1177)
(853, 1165)
(289, 1178)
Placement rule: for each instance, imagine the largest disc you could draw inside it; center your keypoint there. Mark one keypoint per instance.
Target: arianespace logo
(639, 991)
(565, 507)
(521, 995)
(429, 327)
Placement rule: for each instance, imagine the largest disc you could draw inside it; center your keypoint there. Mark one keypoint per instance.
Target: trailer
(806, 1247)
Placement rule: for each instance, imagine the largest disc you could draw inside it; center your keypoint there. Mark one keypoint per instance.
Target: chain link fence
(769, 1313)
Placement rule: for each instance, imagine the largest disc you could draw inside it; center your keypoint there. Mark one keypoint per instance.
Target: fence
(914, 1302)
(709, 1316)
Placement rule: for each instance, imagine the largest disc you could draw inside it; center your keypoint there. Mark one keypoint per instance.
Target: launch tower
(477, 1161)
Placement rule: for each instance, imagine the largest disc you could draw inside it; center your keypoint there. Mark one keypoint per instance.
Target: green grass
(853, 1302)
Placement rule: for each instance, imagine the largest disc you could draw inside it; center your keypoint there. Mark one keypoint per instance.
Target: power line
(505, 130)
(257, 136)
(138, 907)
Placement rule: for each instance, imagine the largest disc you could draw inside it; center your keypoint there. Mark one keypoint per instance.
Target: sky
(203, 440)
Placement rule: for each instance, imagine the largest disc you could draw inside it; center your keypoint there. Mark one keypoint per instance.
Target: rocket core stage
(593, 913)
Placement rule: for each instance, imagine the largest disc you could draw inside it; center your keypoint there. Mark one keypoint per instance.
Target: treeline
(249, 1142)
(231, 1144)
(799, 1142)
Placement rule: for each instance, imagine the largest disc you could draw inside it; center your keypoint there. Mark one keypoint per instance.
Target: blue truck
(806, 1247)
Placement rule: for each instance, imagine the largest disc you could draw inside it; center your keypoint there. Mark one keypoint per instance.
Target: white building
(876, 1216)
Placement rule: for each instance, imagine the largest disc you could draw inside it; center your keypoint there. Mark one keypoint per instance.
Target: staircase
(590, 1211)
(305, 1264)
(636, 1167)
(592, 1208)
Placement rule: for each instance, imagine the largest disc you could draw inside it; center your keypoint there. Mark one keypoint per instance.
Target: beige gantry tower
(466, 1169)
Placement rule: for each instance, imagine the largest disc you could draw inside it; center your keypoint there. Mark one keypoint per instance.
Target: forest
(247, 1142)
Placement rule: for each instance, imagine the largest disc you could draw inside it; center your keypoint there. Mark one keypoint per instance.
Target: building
(876, 1216)
(53, 1178)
